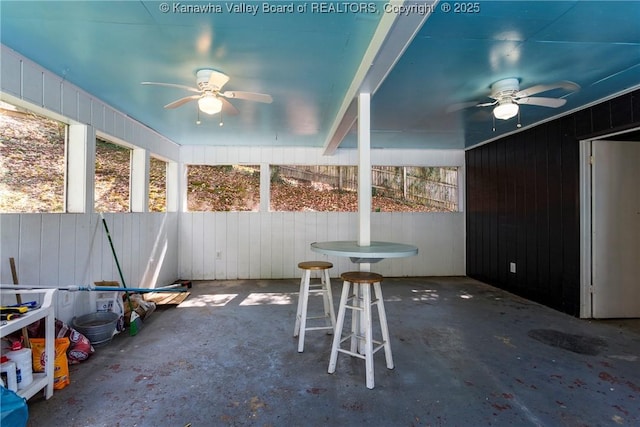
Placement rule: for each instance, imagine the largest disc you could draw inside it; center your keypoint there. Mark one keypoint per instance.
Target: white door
(615, 229)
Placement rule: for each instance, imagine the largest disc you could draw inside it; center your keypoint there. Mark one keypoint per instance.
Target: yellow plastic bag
(61, 364)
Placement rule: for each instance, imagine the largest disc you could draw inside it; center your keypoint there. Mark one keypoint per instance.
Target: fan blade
(487, 104)
(249, 96)
(217, 80)
(191, 89)
(182, 101)
(228, 108)
(543, 102)
(566, 85)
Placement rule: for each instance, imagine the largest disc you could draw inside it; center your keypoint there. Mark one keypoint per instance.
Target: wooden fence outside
(431, 186)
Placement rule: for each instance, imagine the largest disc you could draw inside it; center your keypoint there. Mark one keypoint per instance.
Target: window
(157, 185)
(223, 188)
(112, 177)
(335, 188)
(415, 189)
(314, 188)
(32, 161)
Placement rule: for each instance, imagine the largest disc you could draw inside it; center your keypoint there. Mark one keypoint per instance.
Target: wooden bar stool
(307, 288)
(361, 336)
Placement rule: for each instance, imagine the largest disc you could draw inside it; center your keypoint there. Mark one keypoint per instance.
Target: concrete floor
(466, 354)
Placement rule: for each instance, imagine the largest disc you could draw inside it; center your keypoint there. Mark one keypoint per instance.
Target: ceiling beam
(396, 30)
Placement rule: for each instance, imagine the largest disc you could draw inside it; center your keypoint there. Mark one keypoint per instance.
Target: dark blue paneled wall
(523, 204)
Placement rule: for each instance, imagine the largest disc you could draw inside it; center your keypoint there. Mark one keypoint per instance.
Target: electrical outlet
(512, 267)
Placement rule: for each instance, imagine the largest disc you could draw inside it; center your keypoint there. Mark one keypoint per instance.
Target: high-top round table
(374, 252)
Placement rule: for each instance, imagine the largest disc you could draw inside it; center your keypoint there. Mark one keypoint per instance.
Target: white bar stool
(361, 335)
(307, 288)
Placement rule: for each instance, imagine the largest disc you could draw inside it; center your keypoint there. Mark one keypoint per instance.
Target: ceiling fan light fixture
(209, 104)
(506, 110)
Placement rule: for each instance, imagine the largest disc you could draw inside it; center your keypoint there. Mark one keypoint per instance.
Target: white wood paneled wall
(61, 250)
(269, 245)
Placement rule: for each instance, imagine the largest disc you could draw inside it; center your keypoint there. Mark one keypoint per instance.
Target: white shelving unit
(47, 312)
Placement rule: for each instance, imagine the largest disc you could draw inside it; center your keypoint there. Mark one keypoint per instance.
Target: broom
(135, 322)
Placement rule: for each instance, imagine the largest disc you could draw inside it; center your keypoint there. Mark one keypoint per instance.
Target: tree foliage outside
(112, 176)
(157, 185)
(223, 188)
(32, 162)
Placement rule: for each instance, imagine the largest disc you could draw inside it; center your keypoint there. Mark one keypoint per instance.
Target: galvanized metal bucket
(97, 327)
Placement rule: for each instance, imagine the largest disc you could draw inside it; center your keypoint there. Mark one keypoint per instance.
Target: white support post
(182, 171)
(139, 186)
(265, 187)
(173, 187)
(81, 149)
(364, 173)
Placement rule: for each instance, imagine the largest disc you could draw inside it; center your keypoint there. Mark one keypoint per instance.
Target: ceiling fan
(209, 96)
(507, 97)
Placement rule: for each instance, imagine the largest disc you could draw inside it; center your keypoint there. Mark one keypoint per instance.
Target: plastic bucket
(97, 327)
(24, 366)
(8, 371)
(104, 301)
